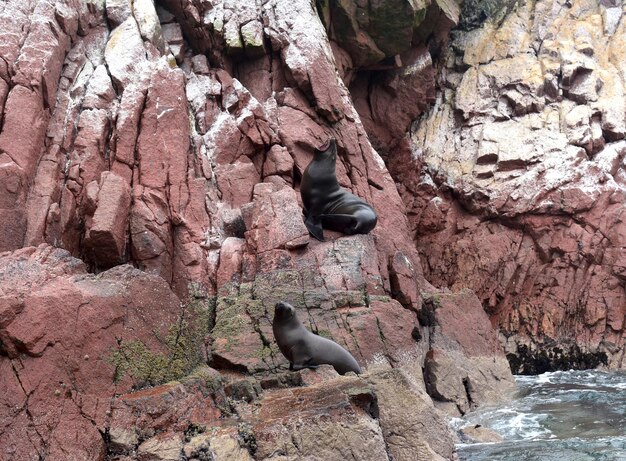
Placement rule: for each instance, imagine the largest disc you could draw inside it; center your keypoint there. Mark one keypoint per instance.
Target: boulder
(59, 331)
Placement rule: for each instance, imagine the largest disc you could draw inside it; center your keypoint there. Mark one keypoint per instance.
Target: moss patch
(183, 343)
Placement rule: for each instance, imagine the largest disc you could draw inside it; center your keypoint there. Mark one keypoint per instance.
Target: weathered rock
(522, 182)
(465, 364)
(162, 447)
(133, 156)
(105, 239)
(480, 434)
(148, 22)
(58, 329)
(374, 31)
(118, 11)
(125, 54)
(272, 223)
(411, 425)
(333, 425)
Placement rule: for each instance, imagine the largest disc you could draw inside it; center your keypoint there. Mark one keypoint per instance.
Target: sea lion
(304, 349)
(326, 204)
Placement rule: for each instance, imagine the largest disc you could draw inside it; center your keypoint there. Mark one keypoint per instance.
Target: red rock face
(58, 327)
(517, 183)
(166, 145)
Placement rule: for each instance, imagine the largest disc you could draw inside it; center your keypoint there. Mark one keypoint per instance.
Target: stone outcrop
(336, 417)
(60, 328)
(517, 184)
(465, 357)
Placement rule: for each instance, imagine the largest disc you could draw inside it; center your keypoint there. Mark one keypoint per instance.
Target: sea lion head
(327, 153)
(283, 312)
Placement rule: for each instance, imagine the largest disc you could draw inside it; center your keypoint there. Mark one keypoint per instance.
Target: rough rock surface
(465, 355)
(59, 326)
(518, 181)
(337, 418)
(166, 143)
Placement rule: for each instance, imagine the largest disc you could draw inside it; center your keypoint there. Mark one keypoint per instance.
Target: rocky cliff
(519, 180)
(151, 157)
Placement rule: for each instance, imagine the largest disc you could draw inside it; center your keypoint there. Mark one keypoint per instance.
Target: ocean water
(560, 416)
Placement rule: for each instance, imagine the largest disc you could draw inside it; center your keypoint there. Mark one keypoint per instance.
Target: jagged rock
(374, 31)
(253, 90)
(480, 434)
(195, 404)
(228, 446)
(405, 408)
(278, 161)
(118, 11)
(173, 35)
(524, 154)
(272, 224)
(148, 22)
(468, 370)
(100, 93)
(66, 372)
(162, 447)
(125, 54)
(345, 429)
(105, 239)
(388, 104)
(252, 35)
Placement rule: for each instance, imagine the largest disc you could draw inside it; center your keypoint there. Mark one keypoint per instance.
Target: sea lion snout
(328, 151)
(283, 310)
(326, 145)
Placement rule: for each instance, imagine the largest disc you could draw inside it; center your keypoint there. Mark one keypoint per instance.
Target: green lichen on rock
(285, 285)
(380, 298)
(231, 319)
(373, 31)
(246, 437)
(183, 348)
(474, 13)
(351, 298)
(234, 305)
(391, 24)
(252, 35)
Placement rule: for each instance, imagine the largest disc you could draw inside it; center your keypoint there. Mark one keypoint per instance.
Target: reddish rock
(163, 142)
(105, 239)
(231, 254)
(277, 162)
(166, 412)
(20, 154)
(64, 373)
(405, 408)
(274, 424)
(272, 223)
(125, 54)
(151, 242)
(127, 125)
(236, 182)
(465, 364)
(192, 140)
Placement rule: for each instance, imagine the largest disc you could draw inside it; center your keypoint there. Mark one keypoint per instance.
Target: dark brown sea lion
(326, 204)
(304, 349)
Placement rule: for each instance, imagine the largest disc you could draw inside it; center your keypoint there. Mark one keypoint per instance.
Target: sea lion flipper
(302, 357)
(314, 224)
(345, 223)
